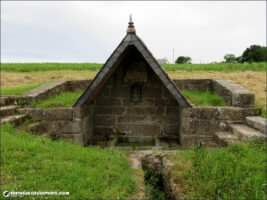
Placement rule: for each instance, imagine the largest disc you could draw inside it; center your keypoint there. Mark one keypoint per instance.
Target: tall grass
(36, 163)
(203, 98)
(236, 172)
(31, 67)
(65, 99)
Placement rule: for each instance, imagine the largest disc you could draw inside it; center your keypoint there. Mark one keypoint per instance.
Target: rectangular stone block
(61, 127)
(172, 111)
(50, 114)
(109, 110)
(166, 102)
(120, 92)
(150, 92)
(199, 127)
(133, 111)
(144, 102)
(108, 102)
(84, 111)
(105, 120)
(144, 119)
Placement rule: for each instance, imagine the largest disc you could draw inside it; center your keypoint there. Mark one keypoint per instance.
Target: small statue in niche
(136, 73)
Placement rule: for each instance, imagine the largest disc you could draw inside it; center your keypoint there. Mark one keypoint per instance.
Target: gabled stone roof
(109, 67)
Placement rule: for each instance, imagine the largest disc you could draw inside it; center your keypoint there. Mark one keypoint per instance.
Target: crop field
(33, 67)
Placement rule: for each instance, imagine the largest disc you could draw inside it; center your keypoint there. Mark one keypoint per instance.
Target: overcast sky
(90, 31)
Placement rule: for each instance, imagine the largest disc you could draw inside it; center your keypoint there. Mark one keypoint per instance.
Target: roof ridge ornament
(131, 28)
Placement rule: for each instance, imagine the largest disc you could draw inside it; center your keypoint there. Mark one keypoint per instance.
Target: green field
(236, 172)
(36, 163)
(31, 67)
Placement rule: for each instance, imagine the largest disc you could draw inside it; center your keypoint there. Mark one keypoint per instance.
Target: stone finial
(130, 28)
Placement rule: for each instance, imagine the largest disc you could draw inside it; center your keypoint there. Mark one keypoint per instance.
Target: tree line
(254, 53)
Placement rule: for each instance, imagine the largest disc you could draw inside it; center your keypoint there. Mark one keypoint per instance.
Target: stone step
(243, 131)
(16, 120)
(258, 123)
(225, 138)
(10, 100)
(8, 110)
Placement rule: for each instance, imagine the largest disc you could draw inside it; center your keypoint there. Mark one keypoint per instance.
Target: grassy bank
(31, 67)
(236, 172)
(36, 163)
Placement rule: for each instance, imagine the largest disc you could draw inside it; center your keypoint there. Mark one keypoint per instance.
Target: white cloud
(90, 31)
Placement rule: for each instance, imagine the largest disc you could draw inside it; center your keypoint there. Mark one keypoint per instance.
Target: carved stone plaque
(136, 73)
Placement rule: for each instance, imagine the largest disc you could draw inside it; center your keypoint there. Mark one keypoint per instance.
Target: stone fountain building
(132, 95)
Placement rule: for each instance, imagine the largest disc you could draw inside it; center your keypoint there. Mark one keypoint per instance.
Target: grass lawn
(20, 89)
(36, 163)
(65, 99)
(200, 98)
(236, 172)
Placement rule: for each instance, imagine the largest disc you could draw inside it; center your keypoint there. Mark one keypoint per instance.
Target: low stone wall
(64, 123)
(193, 84)
(198, 125)
(54, 88)
(233, 94)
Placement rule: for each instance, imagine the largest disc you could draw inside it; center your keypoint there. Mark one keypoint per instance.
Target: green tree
(255, 53)
(230, 58)
(183, 60)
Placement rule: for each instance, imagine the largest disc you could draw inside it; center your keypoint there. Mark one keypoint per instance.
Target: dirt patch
(254, 81)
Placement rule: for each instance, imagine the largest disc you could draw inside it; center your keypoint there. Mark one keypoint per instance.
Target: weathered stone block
(149, 92)
(199, 127)
(61, 127)
(239, 96)
(145, 111)
(108, 102)
(84, 111)
(49, 114)
(109, 110)
(166, 102)
(143, 119)
(105, 120)
(104, 92)
(193, 84)
(144, 102)
(120, 92)
(172, 111)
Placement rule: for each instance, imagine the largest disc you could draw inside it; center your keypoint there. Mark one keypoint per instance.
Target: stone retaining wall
(64, 123)
(198, 125)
